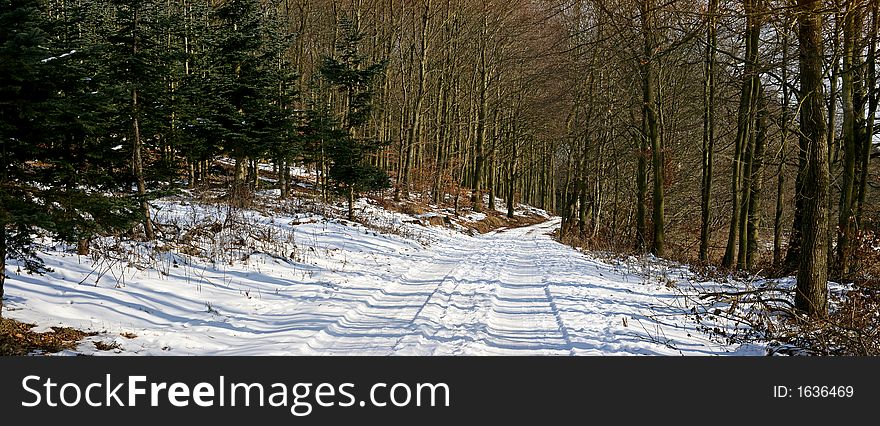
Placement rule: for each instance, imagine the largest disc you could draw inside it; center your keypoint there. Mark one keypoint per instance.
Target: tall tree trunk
(254, 173)
(850, 141)
(415, 130)
(745, 196)
(479, 154)
(511, 178)
(190, 173)
(137, 162)
(811, 295)
(834, 87)
(756, 183)
(492, 166)
(708, 129)
(872, 95)
(744, 116)
(240, 175)
(641, 193)
(780, 171)
(138, 168)
(651, 124)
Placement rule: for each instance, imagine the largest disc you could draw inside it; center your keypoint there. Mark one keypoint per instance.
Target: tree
(755, 187)
(47, 186)
(651, 121)
(784, 34)
(873, 97)
(708, 127)
(811, 296)
(135, 70)
(854, 132)
(414, 128)
(240, 87)
(744, 132)
(349, 74)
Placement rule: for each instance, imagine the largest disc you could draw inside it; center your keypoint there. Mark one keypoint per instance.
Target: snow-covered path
(482, 295)
(509, 292)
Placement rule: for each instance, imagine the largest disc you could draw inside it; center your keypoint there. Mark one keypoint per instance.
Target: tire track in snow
(508, 306)
(384, 318)
(522, 317)
(562, 329)
(545, 281)
(418, 332)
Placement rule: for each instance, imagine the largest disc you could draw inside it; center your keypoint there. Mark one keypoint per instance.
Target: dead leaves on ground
(17, 338)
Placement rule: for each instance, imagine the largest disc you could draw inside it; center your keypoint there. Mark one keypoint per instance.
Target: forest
(737, 136)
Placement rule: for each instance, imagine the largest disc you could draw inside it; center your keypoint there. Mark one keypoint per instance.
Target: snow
(319, 286)
(64, 55)
(475, 217)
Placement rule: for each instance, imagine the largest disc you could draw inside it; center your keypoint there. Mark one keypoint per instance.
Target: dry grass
(17, 338)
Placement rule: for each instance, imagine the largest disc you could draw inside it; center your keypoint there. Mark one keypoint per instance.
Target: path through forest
(509, 292)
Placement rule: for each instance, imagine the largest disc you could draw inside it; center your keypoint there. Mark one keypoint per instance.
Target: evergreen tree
(132, 73)
(195, 136)
(348, 149)
(42, 181)
(238, 86)
(281, 117)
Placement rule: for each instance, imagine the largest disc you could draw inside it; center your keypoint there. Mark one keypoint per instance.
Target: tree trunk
(872, 96)
(255, 173)
(708, 130)
(651, 125)
(641, 194)
(780, 176)
(745, 196)
(239, 178)
(511, 179)
(756, 182)
(136, 157)
(811, 294)
(744, 117)
(138, 168)
(850, 141)
(190, 174)
(479, 155)
(284, 178)
(351, 203)
(491, 176)
(443, 119)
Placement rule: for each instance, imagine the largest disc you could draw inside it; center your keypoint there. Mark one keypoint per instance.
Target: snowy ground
(344, 289)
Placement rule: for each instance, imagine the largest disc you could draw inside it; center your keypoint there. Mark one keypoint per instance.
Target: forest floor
(254, 282)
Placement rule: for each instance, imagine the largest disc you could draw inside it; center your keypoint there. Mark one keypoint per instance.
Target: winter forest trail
(475, 296)
(508, 292)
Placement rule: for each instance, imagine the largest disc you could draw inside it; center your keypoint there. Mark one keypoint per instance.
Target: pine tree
(279, 119)
(196, 129)
(238, 86)
(349, 149)
(50, 184)
(132, 75)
